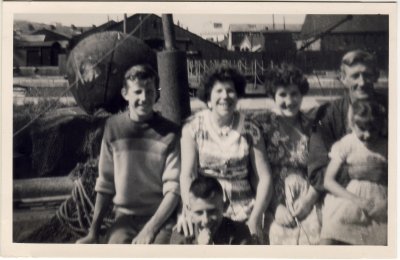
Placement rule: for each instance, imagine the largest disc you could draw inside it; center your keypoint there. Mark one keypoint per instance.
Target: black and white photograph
(269, 125)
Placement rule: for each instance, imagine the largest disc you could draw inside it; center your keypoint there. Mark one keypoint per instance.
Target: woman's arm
(188, 174)
(188, 163)
(264, 187)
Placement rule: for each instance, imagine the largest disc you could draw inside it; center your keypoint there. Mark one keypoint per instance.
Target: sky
(194, 22)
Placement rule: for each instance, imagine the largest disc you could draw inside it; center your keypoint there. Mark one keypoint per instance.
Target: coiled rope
(76, 213)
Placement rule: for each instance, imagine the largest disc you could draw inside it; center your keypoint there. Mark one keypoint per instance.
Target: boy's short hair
(206, 188)
(368, 114)
(142, 72)
(360, 57)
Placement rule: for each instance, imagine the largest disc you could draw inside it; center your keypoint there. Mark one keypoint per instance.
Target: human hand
(184, 224)
(365, 204)
(204, 237)
(302, 207)
(90, 238)
(283, 217)
(145, 236)
(379, 210)
(255, 227)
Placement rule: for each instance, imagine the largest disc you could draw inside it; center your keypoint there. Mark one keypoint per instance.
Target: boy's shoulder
(118, 118)
(164, 125)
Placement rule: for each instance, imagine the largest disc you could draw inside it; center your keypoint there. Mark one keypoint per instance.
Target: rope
(76, 81)
(77, 211)
(298, 223)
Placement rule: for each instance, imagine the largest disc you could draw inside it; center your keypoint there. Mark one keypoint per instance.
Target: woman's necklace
(224, 130)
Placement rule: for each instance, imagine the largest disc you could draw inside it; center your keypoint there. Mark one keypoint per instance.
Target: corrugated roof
(264, 27)
(315, 24)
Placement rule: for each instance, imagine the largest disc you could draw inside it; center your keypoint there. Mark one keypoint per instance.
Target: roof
(30, 38)
(264, 27)
(39, 44)
(181, 34)
(316, 24)
(104, 27)
(27, 27)
(53, 32)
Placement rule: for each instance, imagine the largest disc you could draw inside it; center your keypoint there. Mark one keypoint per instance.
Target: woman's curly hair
(283, 76)
(221, 74)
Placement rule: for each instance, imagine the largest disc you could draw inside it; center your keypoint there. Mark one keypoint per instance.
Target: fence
(252, 69)
(36, 90)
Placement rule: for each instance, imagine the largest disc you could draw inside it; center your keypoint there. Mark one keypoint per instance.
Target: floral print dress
(287, 153)
(227, 159)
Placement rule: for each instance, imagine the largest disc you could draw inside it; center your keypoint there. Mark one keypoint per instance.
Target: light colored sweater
(139, 163)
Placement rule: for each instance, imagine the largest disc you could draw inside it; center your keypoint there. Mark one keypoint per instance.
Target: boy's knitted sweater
(139, 162)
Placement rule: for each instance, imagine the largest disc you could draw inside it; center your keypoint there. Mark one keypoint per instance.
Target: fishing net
(73, 218)
(62, 139)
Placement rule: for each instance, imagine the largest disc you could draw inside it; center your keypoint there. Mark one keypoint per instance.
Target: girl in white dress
(357, 214)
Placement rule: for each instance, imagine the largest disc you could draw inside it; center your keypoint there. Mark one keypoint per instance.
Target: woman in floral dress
(288, 220)
(222, 143)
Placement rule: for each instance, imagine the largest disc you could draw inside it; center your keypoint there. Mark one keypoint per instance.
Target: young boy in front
(210, 226)
(138, 168)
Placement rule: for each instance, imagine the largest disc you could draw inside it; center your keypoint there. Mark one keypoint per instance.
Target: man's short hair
(206, 188)
(360, 57)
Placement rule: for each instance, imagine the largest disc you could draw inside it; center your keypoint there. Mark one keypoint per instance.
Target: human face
(206, 213)
(367, 136)
(359, 80)
(223, 98)
(288, 99)
(141, 96)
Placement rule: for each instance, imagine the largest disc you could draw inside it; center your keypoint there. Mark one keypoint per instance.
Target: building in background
(213, 31)
(41, 44)
(148, 27)
(261, 37)
(325, 38)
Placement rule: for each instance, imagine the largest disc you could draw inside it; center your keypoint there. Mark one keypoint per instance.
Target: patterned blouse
(287, 154)
(227, 159)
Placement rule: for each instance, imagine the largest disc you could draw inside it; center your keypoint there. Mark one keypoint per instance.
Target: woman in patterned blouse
(286, 133)
(222, 143)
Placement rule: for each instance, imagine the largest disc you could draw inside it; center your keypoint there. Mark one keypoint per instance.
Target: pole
(125, 18)
(172, 69)
(169, 32)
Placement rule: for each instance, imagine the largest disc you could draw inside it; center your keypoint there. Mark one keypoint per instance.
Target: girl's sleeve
(341, 149)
